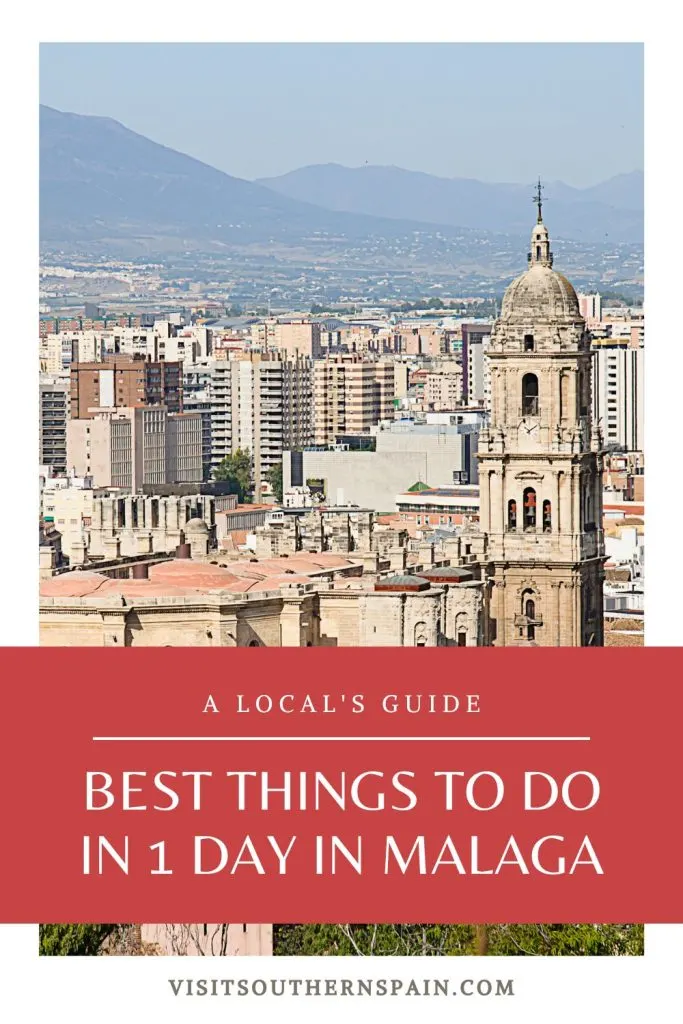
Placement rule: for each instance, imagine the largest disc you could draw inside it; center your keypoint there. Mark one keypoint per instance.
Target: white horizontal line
(340, 739)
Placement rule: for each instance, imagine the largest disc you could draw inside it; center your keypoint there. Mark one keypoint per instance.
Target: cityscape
(288, 421)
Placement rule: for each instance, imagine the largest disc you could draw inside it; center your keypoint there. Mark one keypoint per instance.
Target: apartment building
(618, 391)
(476, 376)
(350, 395)
(262, 402)
(131, 447)
(291, 338)
(197, 398)
(443, 391)
(53, 416)
(125, 382)
(590, 306)
(58, 351)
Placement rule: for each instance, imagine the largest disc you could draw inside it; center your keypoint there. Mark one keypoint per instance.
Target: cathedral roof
(540, 293)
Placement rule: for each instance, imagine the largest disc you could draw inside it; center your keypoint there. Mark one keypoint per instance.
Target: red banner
(362, 785)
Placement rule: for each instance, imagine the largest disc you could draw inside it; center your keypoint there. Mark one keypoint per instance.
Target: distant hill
(612, 209)
(99, 180)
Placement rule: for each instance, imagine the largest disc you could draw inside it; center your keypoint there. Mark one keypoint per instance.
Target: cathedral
(540, 467)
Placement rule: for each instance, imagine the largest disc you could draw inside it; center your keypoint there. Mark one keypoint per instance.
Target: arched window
(462, 638)
(529, 394)
(538, 252)
(547, 517)
(529, 509)
(512, 514)
(253, 643)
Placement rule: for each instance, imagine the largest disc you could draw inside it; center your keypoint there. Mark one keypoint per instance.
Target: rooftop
(185, 577)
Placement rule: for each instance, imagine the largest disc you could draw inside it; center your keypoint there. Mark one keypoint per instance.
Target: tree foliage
(364, 940)
(236, 470)
(457, 940)
(74, 939)
(274, 478)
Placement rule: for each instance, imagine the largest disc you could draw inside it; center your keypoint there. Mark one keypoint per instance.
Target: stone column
(498, 612)
(290, 620)
(143, 542)
(486, 505)
(111, 547)
(397, 559)
(108, 518)
(496, 498)
(172, 514)
(128, 513)
(77, 552)
(556, 585)
(114, 623)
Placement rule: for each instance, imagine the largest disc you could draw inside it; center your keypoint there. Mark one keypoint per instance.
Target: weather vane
(538, 199)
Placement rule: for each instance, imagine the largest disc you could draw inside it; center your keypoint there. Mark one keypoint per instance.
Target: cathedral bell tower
(540, 466)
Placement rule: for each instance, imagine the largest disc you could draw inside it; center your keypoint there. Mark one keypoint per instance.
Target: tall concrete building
(197, 398)
(262, 402)
(476, 379)
(127, 382)
(129, 448)
(350, 395)
(618, 391)
(54, 413)
(540, 466)
(443, 391)
(591, 306)
(292, 338)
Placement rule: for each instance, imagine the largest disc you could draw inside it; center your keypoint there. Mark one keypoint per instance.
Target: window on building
(528, 342)
(529, 394)
(547, 517)
(529, 509)
(462, 638)
(530, 613)
(512, 514)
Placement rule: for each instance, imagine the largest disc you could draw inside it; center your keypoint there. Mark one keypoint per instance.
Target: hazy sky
(498, 112)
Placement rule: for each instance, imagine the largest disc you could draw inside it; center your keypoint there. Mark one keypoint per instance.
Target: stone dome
(540, 294)
(196, 526)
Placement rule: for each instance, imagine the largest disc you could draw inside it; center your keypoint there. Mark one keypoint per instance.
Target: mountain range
(613, 208)
(101, 182)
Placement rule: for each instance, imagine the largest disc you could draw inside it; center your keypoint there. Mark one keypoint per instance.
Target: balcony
(524, 621)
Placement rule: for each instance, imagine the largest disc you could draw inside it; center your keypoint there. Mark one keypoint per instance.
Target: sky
(493, 111)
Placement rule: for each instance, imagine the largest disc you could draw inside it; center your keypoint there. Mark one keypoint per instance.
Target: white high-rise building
(590, 306)
(263, 403)
(618, 394)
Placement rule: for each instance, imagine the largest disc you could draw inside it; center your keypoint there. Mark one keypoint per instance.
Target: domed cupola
(540, 294)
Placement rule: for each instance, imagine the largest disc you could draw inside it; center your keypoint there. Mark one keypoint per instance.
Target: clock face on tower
(528, 434)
